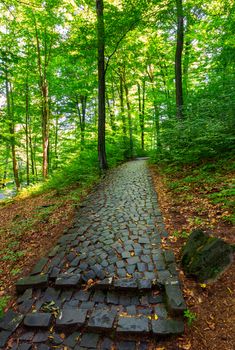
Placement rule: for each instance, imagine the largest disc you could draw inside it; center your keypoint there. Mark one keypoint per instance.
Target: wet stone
(141, 267)
(70, 317)
(130, 269)
(66, 295)
(82, 295)
(37, 319)
(133, 260)
(120, 264)
(39, 266)
(101, 320)
(22, 346)
(40, 337)
(65, 280)
(38, 281)
(144, 284)
(112, 298)
(169, 256)
(126, 255)
(88, 275)
(105, 283)
(131, 310)
(87, 305)
(4, 335)
(89, 340)
(145, 259)
(125, 284)
(125, 300)
(163, 276)
(55, 339)
(126, 345)
(155, 299)
(164, 327)
(98, 296)
(174, 296)
(132, 325)
(106, 344)
(28, 293)
(26, 336)
(161, 311)
(121, 273)
(51, 294)
(72, 340)
(26, 306)
(42, 347)
(11, 321)
(55, 271)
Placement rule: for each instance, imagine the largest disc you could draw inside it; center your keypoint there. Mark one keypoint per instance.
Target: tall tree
(178, 60)
(101, 85)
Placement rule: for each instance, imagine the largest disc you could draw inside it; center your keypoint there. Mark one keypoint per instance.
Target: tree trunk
(27, 128)
(141, 111)
(129, 119)
(12, 132)
(122, 108)
(178, 60)
(45, 102)
(101, 85)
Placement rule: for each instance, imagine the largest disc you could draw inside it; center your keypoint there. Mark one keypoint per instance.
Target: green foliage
(3, 303)
(181, 234)
(190, 316)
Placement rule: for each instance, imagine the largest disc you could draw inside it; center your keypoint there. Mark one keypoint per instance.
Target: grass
(210, 180)
(3, 303)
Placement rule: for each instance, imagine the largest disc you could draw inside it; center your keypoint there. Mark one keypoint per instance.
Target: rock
(175, 299)
(11, 321)
(165, 327)
(39, 266)
(205, 257)
(4, 335)
(89, 340)
(132, 325)
(38, 281)
(38, 320)
(67, 280)
(101, 320)
(70, 317)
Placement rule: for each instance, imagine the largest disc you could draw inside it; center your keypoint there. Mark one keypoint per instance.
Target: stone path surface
(107, 284)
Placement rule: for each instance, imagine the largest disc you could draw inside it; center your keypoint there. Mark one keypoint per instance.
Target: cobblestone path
(107, 284)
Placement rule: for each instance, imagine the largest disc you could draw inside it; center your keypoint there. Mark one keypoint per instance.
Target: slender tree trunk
(111, 114)
(45, 101)
(129, 119)
(178, 60)
(141, 111)
(27, 128)
(101, 85)
(122, 108)
(10, 114)
(56, 140)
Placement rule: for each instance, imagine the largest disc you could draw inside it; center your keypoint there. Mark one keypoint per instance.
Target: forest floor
(30, 227)
(187, 201)
(190, 199)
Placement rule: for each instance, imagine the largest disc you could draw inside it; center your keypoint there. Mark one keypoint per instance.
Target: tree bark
(12, 131)
(27, 128)
(129, 119)
(101, 85)
(178, 60)
(42, 68)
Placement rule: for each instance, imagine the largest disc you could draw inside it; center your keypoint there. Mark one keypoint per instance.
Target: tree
(101, 85)
(178, 60)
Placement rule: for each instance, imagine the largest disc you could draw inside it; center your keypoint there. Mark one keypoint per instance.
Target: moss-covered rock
(204, 256)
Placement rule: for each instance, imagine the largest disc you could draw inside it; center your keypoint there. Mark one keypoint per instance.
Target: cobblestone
(107, 273)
